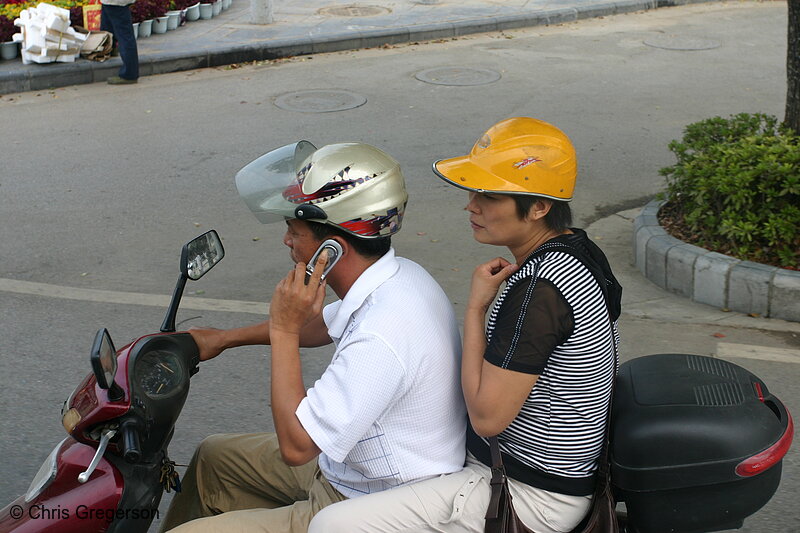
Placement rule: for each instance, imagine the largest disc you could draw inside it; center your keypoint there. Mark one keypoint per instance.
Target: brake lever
(83, 477)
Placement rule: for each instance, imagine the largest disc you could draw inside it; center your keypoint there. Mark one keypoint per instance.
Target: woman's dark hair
(558, 218)
(367, 247)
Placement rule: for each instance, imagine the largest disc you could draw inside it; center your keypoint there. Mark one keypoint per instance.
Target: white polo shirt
(388, 410)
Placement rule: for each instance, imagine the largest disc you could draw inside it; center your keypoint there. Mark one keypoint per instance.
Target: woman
(540, 374)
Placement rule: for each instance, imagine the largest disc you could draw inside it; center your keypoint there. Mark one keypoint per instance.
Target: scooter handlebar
(131, 449)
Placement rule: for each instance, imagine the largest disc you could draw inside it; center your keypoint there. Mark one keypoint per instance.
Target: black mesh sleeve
(530, 324)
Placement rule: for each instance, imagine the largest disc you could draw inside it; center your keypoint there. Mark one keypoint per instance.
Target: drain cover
(353, 11)
(679, 42)
(320, 101)
(461, 76)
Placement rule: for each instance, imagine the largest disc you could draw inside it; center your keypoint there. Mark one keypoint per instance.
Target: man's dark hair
(367, 247)
(559, 218)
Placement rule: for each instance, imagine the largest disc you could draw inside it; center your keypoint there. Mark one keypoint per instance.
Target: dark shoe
(116, 80)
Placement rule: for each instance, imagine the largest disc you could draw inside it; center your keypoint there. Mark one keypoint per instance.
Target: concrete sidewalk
(644, 300)
(306, 27)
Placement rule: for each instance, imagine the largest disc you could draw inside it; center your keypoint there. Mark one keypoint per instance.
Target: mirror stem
(115, 392)
(168, 326)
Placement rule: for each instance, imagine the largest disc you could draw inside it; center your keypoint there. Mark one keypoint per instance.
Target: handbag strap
(603, 470)
(494, 448)
(498, 480)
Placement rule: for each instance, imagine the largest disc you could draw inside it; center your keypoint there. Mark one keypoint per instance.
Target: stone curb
(66, 74)
(710, 277)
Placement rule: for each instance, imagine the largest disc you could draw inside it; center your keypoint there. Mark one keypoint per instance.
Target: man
(388, 410)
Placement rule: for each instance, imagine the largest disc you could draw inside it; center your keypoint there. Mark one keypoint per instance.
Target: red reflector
(759, 391)
(758, 463)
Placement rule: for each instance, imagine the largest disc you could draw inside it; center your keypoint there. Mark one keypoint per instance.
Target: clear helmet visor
(267, 184)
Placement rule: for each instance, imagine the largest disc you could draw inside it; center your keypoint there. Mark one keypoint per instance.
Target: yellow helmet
(516, 156)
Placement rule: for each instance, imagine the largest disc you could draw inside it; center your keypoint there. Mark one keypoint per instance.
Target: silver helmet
(353, 186)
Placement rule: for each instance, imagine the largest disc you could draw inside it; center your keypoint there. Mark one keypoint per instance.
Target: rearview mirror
(104, 359)
(201, 254)
(198, 256)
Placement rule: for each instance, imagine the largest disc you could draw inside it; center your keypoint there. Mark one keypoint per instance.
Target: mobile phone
(335, 253)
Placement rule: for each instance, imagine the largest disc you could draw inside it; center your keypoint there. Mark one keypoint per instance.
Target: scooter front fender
(65, 505)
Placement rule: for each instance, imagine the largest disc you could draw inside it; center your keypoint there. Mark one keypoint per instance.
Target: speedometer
(159, 372)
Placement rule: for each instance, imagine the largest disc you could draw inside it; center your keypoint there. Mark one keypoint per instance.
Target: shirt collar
(369, 280)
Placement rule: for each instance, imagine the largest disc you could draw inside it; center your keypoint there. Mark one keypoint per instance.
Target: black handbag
(501, 517)
(602, 517)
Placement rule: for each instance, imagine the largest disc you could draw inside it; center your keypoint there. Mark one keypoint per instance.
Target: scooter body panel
(65, 505)
(91, 403)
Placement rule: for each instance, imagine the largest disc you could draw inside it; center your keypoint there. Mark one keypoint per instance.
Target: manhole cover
(320, 101)
(679, 42)
(461, 76)
(353, 11)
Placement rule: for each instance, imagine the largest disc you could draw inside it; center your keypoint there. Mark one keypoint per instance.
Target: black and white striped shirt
(552, 320)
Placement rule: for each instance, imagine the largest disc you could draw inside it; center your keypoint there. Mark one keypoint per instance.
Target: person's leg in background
(118, 21)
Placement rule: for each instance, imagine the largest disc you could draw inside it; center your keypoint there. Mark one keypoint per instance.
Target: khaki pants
(239, 483)
(452, 503)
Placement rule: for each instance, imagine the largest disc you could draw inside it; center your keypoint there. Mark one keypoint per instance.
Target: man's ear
(342, 242)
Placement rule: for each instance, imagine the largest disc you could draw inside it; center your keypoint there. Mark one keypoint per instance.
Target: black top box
(697, 442)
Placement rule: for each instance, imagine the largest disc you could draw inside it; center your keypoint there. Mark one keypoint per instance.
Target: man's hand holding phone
(296, 301)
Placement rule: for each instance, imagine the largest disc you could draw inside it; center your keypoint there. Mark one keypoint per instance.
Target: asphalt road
(99, 187)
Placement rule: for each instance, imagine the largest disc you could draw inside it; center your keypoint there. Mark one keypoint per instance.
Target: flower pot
(193, 12)
(206, 11)
(226, 4)
(173, 20)
(160, 24)
(145, 28)
(135, 30)
(9, 50)
(216, 7)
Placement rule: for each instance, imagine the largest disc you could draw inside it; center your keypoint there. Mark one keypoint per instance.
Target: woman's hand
(493, 395)
(295, 303)
(486, 280)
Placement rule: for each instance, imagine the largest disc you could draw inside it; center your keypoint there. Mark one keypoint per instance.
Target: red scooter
(697, 443)
(109, 474)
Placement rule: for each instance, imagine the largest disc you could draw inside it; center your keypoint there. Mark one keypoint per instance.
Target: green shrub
(736, 187)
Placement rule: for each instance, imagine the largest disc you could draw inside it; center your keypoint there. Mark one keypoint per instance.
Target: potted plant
(206, 9)
(174, 16)
(193, 12)
(149, 9)
(145, 11)
(189, 8)
(8, 48)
